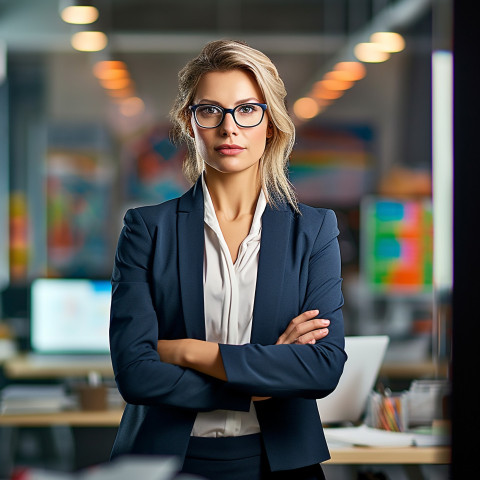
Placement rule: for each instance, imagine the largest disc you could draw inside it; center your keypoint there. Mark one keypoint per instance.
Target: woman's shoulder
(316, 221)
(309, 213)
(154, 213)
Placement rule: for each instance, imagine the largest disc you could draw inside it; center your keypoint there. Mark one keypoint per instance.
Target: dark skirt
(238, 458)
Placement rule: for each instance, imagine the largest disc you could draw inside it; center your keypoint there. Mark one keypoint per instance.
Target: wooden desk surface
(347, 455)
(412, 370)
(388, 455)
(20, 367)
(81, 418)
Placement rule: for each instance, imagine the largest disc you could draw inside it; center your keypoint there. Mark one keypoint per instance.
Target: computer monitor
(70, 316)
(396, 251)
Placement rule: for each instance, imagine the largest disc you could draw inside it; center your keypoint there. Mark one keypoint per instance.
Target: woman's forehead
(231, 86)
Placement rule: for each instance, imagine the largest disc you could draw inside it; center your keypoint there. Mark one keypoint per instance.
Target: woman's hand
(305, 329)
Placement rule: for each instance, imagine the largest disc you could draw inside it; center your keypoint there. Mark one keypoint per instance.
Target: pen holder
(388, 412)
(92, 397)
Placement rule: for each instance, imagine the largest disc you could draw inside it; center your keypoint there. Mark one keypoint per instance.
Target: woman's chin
(231, 166)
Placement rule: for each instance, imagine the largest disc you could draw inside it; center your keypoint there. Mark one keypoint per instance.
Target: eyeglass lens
(246, 115)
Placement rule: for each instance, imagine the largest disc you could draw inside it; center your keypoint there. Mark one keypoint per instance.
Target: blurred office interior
(82, 140)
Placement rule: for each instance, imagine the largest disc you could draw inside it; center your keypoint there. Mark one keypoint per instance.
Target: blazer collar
(191, 242)
(192, 199)
(276, 224)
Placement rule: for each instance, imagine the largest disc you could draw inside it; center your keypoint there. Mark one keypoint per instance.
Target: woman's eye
(247, 109)
(209, 110)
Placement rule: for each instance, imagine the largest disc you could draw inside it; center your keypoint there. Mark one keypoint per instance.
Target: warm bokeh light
(132, 106)
(389, 41)
(370, 53)
(349, 71)
(110, 70)
(109, 64)
(116, 83)
(89, 41)
(320, 92)
(306, 107)
(79, 15)
(331, 82)
(121, 93)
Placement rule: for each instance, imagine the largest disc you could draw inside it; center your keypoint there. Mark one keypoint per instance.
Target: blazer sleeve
(141, 377)
(309, 371)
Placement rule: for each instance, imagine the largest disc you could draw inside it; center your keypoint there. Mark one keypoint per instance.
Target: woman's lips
(229, 149)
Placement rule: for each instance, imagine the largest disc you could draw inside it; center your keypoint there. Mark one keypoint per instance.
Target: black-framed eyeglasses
(246, 115)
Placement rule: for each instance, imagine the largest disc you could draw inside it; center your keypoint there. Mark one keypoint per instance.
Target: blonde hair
(223, 55)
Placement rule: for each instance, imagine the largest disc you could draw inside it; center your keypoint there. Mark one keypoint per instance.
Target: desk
(60, 427)
(20, 367)
(410, 370)
(347, 455)
(387, 455)
(104, 418)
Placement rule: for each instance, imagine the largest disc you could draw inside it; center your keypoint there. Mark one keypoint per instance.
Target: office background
(74, 156)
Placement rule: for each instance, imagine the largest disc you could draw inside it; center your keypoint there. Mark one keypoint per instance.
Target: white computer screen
(70, 315)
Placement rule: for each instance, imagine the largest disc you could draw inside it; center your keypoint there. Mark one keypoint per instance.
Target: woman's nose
(228, 126)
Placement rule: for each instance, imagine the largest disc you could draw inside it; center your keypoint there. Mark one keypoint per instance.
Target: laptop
(69, 321)
(348, 402)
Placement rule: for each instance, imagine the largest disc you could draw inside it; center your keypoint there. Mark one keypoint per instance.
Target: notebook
(348, 402)
(69, 320)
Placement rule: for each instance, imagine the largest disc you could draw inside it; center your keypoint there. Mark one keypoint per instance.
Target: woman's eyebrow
(239, 102)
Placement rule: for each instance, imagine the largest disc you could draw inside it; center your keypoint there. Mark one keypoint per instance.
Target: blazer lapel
(271, 270)
(190, 252)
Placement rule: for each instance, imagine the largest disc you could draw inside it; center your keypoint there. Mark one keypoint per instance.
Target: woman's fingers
(303, 317)
(305, 329)
(312, 337)
(310, 330)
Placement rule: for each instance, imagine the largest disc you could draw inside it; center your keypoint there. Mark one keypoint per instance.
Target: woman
(222, 298)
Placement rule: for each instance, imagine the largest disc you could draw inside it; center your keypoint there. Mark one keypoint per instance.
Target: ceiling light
(89, 41)
(389, 41)
(351, 71)
(370, 53)
(319, 91)
(113, 74)
(110, 69)
(132, 106)
(79, 15)
(331, 82)
(121, 93)
(116, 83)
(306, 107)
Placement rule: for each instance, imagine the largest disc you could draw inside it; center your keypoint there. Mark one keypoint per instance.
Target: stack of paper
(367, 436)
(18, 399)
(374, 437)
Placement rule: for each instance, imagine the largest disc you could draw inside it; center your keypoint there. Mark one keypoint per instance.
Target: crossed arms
(203, 376)
(205, 357)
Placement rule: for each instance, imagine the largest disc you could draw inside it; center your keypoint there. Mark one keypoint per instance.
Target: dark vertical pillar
(465, 358)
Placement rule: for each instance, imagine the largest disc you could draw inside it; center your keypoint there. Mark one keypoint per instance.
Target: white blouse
(229, 294)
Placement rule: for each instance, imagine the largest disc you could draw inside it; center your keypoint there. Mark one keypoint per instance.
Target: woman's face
(229, 89)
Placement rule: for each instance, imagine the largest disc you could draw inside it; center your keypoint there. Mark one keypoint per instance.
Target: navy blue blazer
(158, 294)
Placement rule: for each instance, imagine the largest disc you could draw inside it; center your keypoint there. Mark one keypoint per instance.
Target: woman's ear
(270, 130)
(190, 130)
